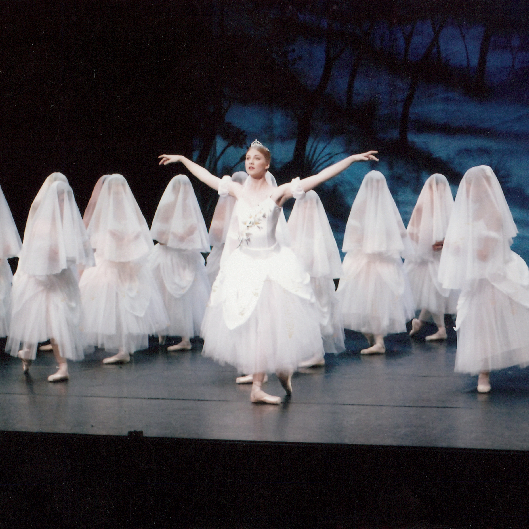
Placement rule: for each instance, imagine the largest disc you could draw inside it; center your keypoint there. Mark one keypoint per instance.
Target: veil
(89, 211)
(9, 238)
(178, 221)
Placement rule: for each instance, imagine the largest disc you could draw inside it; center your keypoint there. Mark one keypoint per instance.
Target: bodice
(257, 224)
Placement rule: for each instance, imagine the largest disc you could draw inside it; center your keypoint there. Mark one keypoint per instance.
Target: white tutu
(213, 262)
(182, 280)
(45, 307)
(6, 278)
(122, 305)
(375, 295)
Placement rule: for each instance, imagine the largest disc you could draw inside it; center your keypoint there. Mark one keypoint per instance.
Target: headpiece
(257, 143)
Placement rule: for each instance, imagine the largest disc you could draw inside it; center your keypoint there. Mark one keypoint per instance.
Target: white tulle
(213, 262)
(6, 279)
(178, 221)
(89, 211)
(181, 278)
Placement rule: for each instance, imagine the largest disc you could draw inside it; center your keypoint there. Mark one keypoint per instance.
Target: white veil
(480, 232)
(430, 217)
(178, 221)
(312, 239)
(375, 225)
(118, 231)
(57, 237)
(9, 238)
(89, 211)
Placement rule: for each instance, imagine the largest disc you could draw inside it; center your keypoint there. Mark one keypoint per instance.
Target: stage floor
(408, 397)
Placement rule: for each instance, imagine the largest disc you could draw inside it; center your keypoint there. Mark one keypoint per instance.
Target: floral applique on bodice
(257, 224)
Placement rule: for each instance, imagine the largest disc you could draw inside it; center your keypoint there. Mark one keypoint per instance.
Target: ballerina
(427, 229)
(374, 292)
(262, 314)
(121, 301)
(177, 263)
(45, 298)
(493, 307)
(218, 229)
(314, 244)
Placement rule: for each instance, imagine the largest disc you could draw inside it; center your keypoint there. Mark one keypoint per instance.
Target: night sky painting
(98, 87)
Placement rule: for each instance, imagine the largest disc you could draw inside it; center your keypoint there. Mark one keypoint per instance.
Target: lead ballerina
(262, 315)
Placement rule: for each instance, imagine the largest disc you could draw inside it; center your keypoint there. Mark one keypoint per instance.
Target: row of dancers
(265, 301)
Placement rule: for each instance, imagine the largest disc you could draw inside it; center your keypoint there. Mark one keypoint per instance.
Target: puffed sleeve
(296, 189)
(224, 189)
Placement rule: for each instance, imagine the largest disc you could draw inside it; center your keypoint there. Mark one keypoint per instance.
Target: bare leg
(286, 381)
(257, 395)
(161, 339)
(62, 373)
(370, 339)
(25, 355)
(484, 382)
(377, 348)
(184, 345)
(441, 330)
(417, 323)
(121, 358)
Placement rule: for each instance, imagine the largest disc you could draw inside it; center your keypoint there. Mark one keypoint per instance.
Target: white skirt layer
(44, 307)
(6, 278)
(331, 325)
(375, 295)
(262, 315)
(122, 305)
(427, 291)
(182, 280)
(491, 329)
(213, 262)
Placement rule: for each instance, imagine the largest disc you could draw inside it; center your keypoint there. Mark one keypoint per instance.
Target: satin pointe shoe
(121, 358)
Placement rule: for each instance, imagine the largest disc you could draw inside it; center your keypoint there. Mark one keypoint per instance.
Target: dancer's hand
(169, 158)
(368, 156)
(438, 246)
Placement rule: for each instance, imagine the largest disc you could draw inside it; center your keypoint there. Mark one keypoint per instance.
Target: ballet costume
(314, 244)
(262, 315)
(493, 307)
(10, 245)
(177, 263)
(121, 300)
(218, 229)
(427, 229)
(45, 298)
(374, 292)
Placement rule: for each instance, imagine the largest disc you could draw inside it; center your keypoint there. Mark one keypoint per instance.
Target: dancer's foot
(121, 358)
(439, 335)
(258, 396)
(161, 339)
(248, 379)
(286, 382)
(316, 361)
(46, 347)
(484, 382)
(416, 326)
(25, 366)
(374, 349)
(61, 375)
(184, 345)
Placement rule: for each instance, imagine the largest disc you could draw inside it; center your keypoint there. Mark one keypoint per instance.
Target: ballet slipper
(47, 347)
(439, 335)
(378, 348)
(258, 396)
(286, 382)
(484, 382)
(25, 366)
(416, 326)
(61, 375)
(121, 358)
(161, 339)
(315, 361)
(184, 345)
(248, 379)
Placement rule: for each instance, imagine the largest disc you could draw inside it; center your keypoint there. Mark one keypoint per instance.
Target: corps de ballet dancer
(374, 292)
(45, 298)
(313, 242)
(262, 315)
(427, 229)
(493, 307)
(177, 262)
(121, 301)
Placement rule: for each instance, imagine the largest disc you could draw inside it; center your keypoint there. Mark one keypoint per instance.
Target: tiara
(257, 143)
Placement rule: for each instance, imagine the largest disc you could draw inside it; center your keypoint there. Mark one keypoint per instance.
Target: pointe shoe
(439, 335)
(121, 358)
(25, 366)
(248, 379)
(260, 397)
(61, 375)
(416, 326)
(182, 346)
(47, 347)
(316, 361)
(286, 382)
(374, 349)
(484, 383)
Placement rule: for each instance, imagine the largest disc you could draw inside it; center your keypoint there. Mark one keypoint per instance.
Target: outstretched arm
(202, 174)
(283, 192)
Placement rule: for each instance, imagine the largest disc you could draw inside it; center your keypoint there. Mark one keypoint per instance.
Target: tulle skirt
(213, 262)
(182, 280)
(262, 315)
(491, 330)
(375, 295)
(331, 324)
(6, 278)
(44, 307)
(427, 291)
(122, 305)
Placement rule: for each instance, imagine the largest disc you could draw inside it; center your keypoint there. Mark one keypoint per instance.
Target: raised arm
(283, 193)
(202, 174)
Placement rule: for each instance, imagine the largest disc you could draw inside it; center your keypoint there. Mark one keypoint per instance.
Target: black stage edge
(58, 480)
